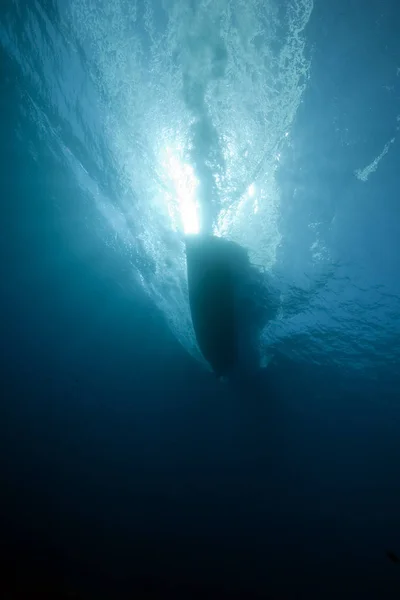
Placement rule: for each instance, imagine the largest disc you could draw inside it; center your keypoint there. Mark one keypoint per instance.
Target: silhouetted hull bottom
(210, 263)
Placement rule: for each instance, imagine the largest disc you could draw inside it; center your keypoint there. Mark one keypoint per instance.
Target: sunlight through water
(172, 116)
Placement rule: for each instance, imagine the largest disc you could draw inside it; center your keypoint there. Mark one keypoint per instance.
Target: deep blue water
(125, 467)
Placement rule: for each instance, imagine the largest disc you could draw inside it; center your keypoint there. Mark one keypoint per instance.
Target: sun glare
(185, 183)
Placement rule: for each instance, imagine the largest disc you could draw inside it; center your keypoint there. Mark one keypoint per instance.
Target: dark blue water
(126, 469)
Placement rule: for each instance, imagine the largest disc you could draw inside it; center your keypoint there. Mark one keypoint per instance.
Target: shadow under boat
(229, 302)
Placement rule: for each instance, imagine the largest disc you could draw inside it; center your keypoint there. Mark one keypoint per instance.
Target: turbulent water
(173, 116)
